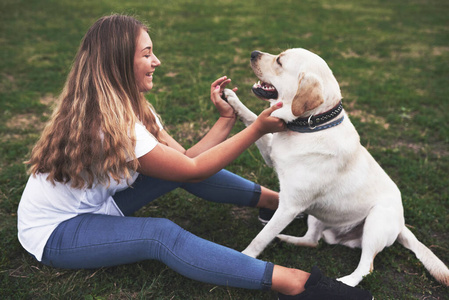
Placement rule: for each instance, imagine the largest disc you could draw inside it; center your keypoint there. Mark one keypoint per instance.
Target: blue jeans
(92, 240)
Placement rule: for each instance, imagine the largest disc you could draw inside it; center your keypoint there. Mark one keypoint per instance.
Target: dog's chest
(294, 150)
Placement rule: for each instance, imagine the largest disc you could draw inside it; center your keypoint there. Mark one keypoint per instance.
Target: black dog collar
(312, 123)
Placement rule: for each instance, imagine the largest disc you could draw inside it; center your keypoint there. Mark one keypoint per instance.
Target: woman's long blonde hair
(90, 137)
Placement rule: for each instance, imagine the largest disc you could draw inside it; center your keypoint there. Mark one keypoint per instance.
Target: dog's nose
(255, 54)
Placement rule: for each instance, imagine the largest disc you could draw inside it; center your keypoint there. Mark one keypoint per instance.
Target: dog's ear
(309, 94)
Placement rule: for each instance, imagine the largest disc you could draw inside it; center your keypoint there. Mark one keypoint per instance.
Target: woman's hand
(265, 123)
(216, 90)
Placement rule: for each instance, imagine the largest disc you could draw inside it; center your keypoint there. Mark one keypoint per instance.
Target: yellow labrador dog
(323, 169)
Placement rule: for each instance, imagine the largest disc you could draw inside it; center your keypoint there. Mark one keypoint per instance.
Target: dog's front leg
(264, 146)
(248, 117)
(281, 218)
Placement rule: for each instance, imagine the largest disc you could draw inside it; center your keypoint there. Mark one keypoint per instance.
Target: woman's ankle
(268, 199)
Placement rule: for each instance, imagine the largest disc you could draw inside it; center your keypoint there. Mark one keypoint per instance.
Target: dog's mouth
(265, 90)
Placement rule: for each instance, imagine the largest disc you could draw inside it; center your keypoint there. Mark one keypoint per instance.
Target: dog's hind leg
(311, 238)
(381, 228)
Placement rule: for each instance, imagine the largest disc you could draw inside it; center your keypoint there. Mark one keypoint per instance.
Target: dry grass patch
(365, 117)
(31, 121)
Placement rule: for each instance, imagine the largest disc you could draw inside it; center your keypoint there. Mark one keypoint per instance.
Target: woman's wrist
(234, 116)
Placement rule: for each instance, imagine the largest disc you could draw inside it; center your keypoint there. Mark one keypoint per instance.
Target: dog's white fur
(327, 174)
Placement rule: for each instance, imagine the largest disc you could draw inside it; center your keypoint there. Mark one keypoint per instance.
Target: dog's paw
(231, 97)
(229, 93)
(349, 280)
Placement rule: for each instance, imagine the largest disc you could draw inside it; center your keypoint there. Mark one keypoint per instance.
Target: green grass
(391, 58)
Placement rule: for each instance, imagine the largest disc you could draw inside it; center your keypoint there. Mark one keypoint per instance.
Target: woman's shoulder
(145, 141)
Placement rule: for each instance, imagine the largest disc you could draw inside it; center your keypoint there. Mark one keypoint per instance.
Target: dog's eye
(278, 60)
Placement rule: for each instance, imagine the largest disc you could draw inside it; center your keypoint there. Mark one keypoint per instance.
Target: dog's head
(299, 78)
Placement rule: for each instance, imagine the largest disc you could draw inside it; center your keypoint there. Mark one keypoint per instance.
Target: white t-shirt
(44, 206)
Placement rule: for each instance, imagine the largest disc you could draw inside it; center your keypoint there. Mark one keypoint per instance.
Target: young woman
(104, 155)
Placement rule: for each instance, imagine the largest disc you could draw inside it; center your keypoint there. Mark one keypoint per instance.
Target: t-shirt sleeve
(158, 121)
(145, 141)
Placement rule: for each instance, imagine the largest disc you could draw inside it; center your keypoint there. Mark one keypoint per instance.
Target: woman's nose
(156, 62)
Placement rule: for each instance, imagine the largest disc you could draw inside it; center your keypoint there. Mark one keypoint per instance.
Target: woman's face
(145, 62)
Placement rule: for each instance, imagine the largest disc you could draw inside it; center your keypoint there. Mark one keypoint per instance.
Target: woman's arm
(167, 163)
(221, 129)
(217, 134)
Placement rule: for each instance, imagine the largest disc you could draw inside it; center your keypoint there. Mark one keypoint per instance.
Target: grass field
(390, 57)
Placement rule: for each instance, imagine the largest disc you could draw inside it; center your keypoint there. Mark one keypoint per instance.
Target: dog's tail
(430, 261)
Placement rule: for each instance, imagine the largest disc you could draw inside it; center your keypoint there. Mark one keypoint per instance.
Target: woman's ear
(309, 94)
